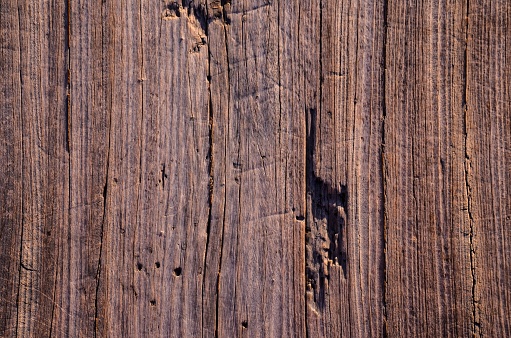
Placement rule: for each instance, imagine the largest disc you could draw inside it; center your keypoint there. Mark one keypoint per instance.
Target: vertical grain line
(105, 195)
(308, 175)
(67, 81)
(280, 103)
(67, 107)
(217, 305)
(141, 82)
(141, 130)
(304, 229)
(238, 159)
(22, 172)
(384, 169)
(69, 128)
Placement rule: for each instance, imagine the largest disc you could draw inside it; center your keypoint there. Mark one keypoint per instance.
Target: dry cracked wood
(255, 168)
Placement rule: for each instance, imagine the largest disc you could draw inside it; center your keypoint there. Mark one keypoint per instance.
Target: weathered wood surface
(255, 168)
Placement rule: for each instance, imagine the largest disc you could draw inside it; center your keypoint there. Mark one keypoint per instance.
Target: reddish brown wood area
(255, 168)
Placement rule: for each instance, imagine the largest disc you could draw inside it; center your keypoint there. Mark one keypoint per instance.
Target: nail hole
(153, 302)
(244, 324)
(177, 271)
(300, 218)
(157, 265)
(139, 266)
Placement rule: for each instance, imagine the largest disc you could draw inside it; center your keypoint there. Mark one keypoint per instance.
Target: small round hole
(244, 324)
(139, 266)
(157, 265)
(153, 302)
(177, 271)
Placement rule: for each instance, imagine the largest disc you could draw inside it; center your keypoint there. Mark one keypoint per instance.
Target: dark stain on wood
(328, 202)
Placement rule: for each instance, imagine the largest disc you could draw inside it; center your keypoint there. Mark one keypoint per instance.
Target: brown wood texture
(255, 168)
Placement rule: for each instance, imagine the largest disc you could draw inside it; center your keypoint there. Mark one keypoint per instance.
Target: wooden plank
(44, 182)
(87, 141)
(158, 172)
(255, 137)
(254, 168)
(488, 163)
(345, 235)
(11, 170)
(428, 278)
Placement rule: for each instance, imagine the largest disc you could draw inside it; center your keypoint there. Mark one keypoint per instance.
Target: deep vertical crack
(98, 271)
(476, 325)
(206, 21)
(210, 168)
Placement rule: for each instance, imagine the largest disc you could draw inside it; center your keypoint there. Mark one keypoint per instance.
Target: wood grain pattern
(11, 202)
(39, 82)
(487, 163)
(428, 232)
(345, 260)
(255, 168)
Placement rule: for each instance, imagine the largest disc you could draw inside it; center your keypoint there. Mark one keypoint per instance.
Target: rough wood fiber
(428, 239)
(255, 249)
(36, 157)
(11, 201)
(254, 168)
(157, 193)
(344, 195)
(488, 163)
